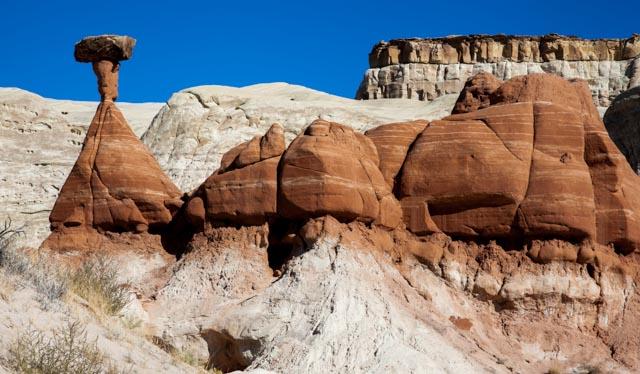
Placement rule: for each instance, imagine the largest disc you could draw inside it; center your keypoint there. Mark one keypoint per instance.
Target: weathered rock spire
(115, 185)
(105, 53)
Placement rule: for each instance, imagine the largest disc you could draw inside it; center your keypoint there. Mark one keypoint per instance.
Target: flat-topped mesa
(105, 53)
(471, 49)
(424, 69)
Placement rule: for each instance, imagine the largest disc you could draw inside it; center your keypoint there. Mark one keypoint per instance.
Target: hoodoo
(115, 185)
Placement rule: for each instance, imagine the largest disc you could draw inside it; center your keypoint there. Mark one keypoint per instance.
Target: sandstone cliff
(424, 69)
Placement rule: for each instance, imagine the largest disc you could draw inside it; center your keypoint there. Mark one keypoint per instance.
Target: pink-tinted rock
(392, 142)
(244, 196)
(116, 184)
(476, 93)
(332, 170)
(471, 170)
(616, 187)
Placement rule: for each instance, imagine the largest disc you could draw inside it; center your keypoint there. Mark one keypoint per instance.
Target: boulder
(476, 93)
(471, 170)
(392, 142)
(243, 190)
(116, 184)
(104, 47)
(330, 169)
(622, 121)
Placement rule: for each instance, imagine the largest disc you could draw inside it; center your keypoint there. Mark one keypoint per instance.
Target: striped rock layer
(424, 69)
(116, 185)
(525, 159)
(536, 163)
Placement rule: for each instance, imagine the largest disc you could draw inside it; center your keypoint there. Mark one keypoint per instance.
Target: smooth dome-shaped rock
(243, 189)
(332, 170)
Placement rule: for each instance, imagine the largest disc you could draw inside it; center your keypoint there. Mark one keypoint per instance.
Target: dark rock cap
(104, 47)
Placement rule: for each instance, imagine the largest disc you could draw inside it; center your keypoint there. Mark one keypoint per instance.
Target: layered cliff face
(424, 69)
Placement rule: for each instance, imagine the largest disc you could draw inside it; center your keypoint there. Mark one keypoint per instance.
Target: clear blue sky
(318, 44)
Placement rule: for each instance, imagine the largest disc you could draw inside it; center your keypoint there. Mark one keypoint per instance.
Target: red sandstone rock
(615, 185)
(559, 201)
(471, 170)
(476, 93)
(332, 170)
(392, 142)
(244, 196)
(116, 184)
(243, 190)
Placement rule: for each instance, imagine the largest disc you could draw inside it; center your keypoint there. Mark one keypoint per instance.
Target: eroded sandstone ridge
(115, 185)
(524, 159)
(424, 69)
(500, 238)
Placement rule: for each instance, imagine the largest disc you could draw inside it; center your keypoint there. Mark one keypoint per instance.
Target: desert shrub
(66, 351)
(37, 270)
(96, 281)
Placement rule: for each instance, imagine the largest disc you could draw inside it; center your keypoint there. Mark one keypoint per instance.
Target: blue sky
(318, 44)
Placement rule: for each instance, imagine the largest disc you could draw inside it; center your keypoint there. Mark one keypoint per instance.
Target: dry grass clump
(67, 351)
(38, 271)
(96, 281)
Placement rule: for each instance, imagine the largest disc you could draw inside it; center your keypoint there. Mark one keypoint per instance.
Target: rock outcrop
(622, 120)
(526, 159)
(471, 170)
(535, 163)
(115, 185)
(424, 69)
(332, 170)
(244, 189)
(41, 140)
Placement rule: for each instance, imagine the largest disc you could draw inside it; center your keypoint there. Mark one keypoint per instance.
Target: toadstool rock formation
(115, 185)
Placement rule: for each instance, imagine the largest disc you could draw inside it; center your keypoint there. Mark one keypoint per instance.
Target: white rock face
(418, 81)
(345, 307)
(198, 125)
(41, 139)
